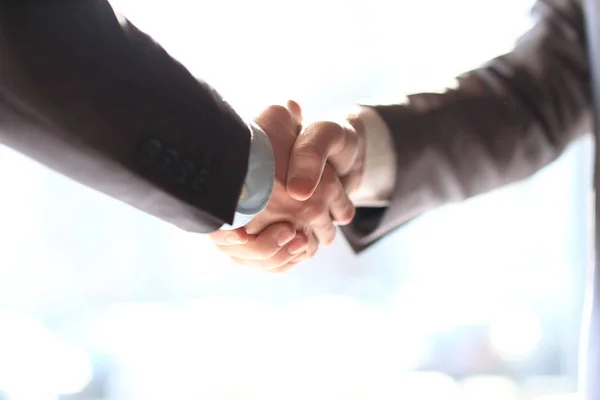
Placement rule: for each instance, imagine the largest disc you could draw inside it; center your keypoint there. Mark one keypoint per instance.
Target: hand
(339, 144)
(295, 227)
(277, 248)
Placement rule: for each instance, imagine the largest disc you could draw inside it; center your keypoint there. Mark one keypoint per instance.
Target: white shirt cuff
(379, 177)
(259, 182)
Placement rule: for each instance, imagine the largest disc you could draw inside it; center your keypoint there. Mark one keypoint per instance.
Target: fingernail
(296, 247)
(285, 237)
(301, 186)
(233, 239)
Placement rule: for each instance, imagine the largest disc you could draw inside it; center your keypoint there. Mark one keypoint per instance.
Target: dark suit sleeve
(98, 101)
(502, 123)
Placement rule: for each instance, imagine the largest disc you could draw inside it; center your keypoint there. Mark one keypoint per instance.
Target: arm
(502, 123)
(97, 100)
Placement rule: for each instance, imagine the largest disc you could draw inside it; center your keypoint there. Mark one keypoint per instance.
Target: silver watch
(260, 179)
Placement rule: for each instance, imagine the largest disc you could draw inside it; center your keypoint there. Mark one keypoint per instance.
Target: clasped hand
(317, 166)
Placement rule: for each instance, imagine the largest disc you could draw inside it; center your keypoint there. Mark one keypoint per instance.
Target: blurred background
(480, 300)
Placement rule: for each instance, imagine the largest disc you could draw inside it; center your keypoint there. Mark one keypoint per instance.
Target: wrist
(353, 179)
(379, 165)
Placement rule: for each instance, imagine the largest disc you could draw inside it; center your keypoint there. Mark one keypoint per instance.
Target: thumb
(316, 144)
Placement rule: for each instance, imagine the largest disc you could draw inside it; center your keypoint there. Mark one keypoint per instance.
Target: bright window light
(515, 333)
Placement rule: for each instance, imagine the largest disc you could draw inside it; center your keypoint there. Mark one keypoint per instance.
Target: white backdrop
(180, 319)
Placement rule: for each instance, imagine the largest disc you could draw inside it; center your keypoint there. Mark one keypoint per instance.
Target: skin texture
(291, 229)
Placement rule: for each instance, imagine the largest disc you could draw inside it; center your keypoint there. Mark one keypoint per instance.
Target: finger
(265, 244)
(313, 247)
(341, 207)
(283, 268)
(281, 126)
(306, 255)
(276, 117)
(229, 238)
(343, 161)
(311, 250)
(282, 257)
(342, 210)
(295, 110)
(312, 148)
(289, 264)
(325, 231)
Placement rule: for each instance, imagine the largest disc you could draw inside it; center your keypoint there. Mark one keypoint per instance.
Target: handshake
(317, 167)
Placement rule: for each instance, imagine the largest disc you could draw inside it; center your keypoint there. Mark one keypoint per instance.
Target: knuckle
(333, 190)
(330, 231)
(332, 238)
(349, 213)
(309, 214)
(328, 128)
(331, 133)
(344, 205)
(312, 248)
(346, 215)
(314, 211)
(310, 150)
(310, 145)
(277, 112)
(329, 240)
(330, 187)
(324, 228)
(326, 236)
